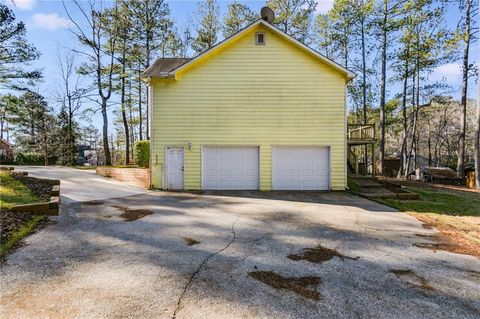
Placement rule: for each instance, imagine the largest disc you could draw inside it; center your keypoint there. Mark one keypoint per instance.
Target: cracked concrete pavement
(90, 263)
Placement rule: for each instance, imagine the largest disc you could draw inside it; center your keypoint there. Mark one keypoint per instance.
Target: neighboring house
(6, 152)
(258, 111)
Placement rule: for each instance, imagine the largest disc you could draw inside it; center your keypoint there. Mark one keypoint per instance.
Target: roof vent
(267, 14)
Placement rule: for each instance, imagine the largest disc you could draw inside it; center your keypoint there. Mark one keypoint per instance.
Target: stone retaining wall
(135, 176)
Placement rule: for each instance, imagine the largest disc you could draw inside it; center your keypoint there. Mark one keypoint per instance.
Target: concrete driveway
(82, 185)
(249, 261)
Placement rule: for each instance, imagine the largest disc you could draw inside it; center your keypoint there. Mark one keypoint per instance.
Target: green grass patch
(352, 186)
(18, 235)
(13, 192)
(439, 201)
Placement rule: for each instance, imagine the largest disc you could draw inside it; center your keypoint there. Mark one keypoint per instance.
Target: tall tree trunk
(106, 146)
(409, 154)
(463, 115)
(147, 113)
(147, 109)
(364, 90)
(403, 154)
(70, 142)
(383, 86)
(429, 145)
(1, 127)
(477, 142)
(124, 113)
(140, 106)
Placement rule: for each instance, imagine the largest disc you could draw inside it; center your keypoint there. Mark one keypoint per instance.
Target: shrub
(142, 153)
(29, 159)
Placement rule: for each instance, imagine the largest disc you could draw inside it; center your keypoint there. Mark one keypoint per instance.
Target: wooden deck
(361, 134)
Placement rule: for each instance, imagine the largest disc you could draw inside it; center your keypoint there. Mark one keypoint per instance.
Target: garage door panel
(300, 168)
(231, 168)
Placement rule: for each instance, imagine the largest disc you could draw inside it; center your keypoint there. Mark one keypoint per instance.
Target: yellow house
(258, 111)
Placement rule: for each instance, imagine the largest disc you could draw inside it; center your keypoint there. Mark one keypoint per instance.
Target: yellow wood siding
(248, 94)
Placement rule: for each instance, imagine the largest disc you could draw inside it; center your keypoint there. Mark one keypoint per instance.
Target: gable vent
(260, 38)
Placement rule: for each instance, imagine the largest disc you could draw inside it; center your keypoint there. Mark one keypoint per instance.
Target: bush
(29, 159)
(142, 153)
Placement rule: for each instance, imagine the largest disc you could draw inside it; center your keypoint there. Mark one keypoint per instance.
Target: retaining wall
(135, 176)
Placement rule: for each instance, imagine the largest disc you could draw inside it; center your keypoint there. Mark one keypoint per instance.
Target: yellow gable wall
(248, 94)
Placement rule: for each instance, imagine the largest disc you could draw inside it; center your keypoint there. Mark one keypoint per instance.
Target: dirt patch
(412, 279)
(130, 215)
(14, 226)
(454, 235)
(319, 255)
(191, 241)
(305, 286)
(93, 203)
(12, 221)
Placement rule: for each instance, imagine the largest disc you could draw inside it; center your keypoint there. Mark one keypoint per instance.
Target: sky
(48, 29)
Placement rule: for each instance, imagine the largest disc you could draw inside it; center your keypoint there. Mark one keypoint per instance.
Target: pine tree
(467, 33)
(151, 28)
(386, 22)
(237, 18)
(34, 125)
(323, 36)
(15, 52)
(294, 17)
(208, 26)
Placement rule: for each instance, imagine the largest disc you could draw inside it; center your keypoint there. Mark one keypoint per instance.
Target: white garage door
(227, 168)
(300, 168)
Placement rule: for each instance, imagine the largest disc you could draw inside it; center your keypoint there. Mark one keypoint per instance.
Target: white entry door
(230, 168)
(174, 168)
(300, 168)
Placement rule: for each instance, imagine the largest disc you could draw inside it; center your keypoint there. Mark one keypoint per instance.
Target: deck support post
(373, 159)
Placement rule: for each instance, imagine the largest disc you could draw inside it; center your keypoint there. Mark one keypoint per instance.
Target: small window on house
(260, 38)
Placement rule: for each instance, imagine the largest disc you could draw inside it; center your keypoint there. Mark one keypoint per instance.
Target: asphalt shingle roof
(163, 65)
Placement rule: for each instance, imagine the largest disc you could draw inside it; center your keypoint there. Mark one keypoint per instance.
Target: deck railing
(361, 132)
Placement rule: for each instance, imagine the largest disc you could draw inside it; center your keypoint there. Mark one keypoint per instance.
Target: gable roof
(159, 70)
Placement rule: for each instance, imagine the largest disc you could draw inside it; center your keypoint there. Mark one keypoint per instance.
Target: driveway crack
(200, 267)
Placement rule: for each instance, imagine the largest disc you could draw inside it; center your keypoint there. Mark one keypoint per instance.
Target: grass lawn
(456, 214)
(439, 201)
(14, 192)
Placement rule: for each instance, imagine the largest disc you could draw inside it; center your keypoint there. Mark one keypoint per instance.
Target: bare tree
(71, 96)
(98, 35)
